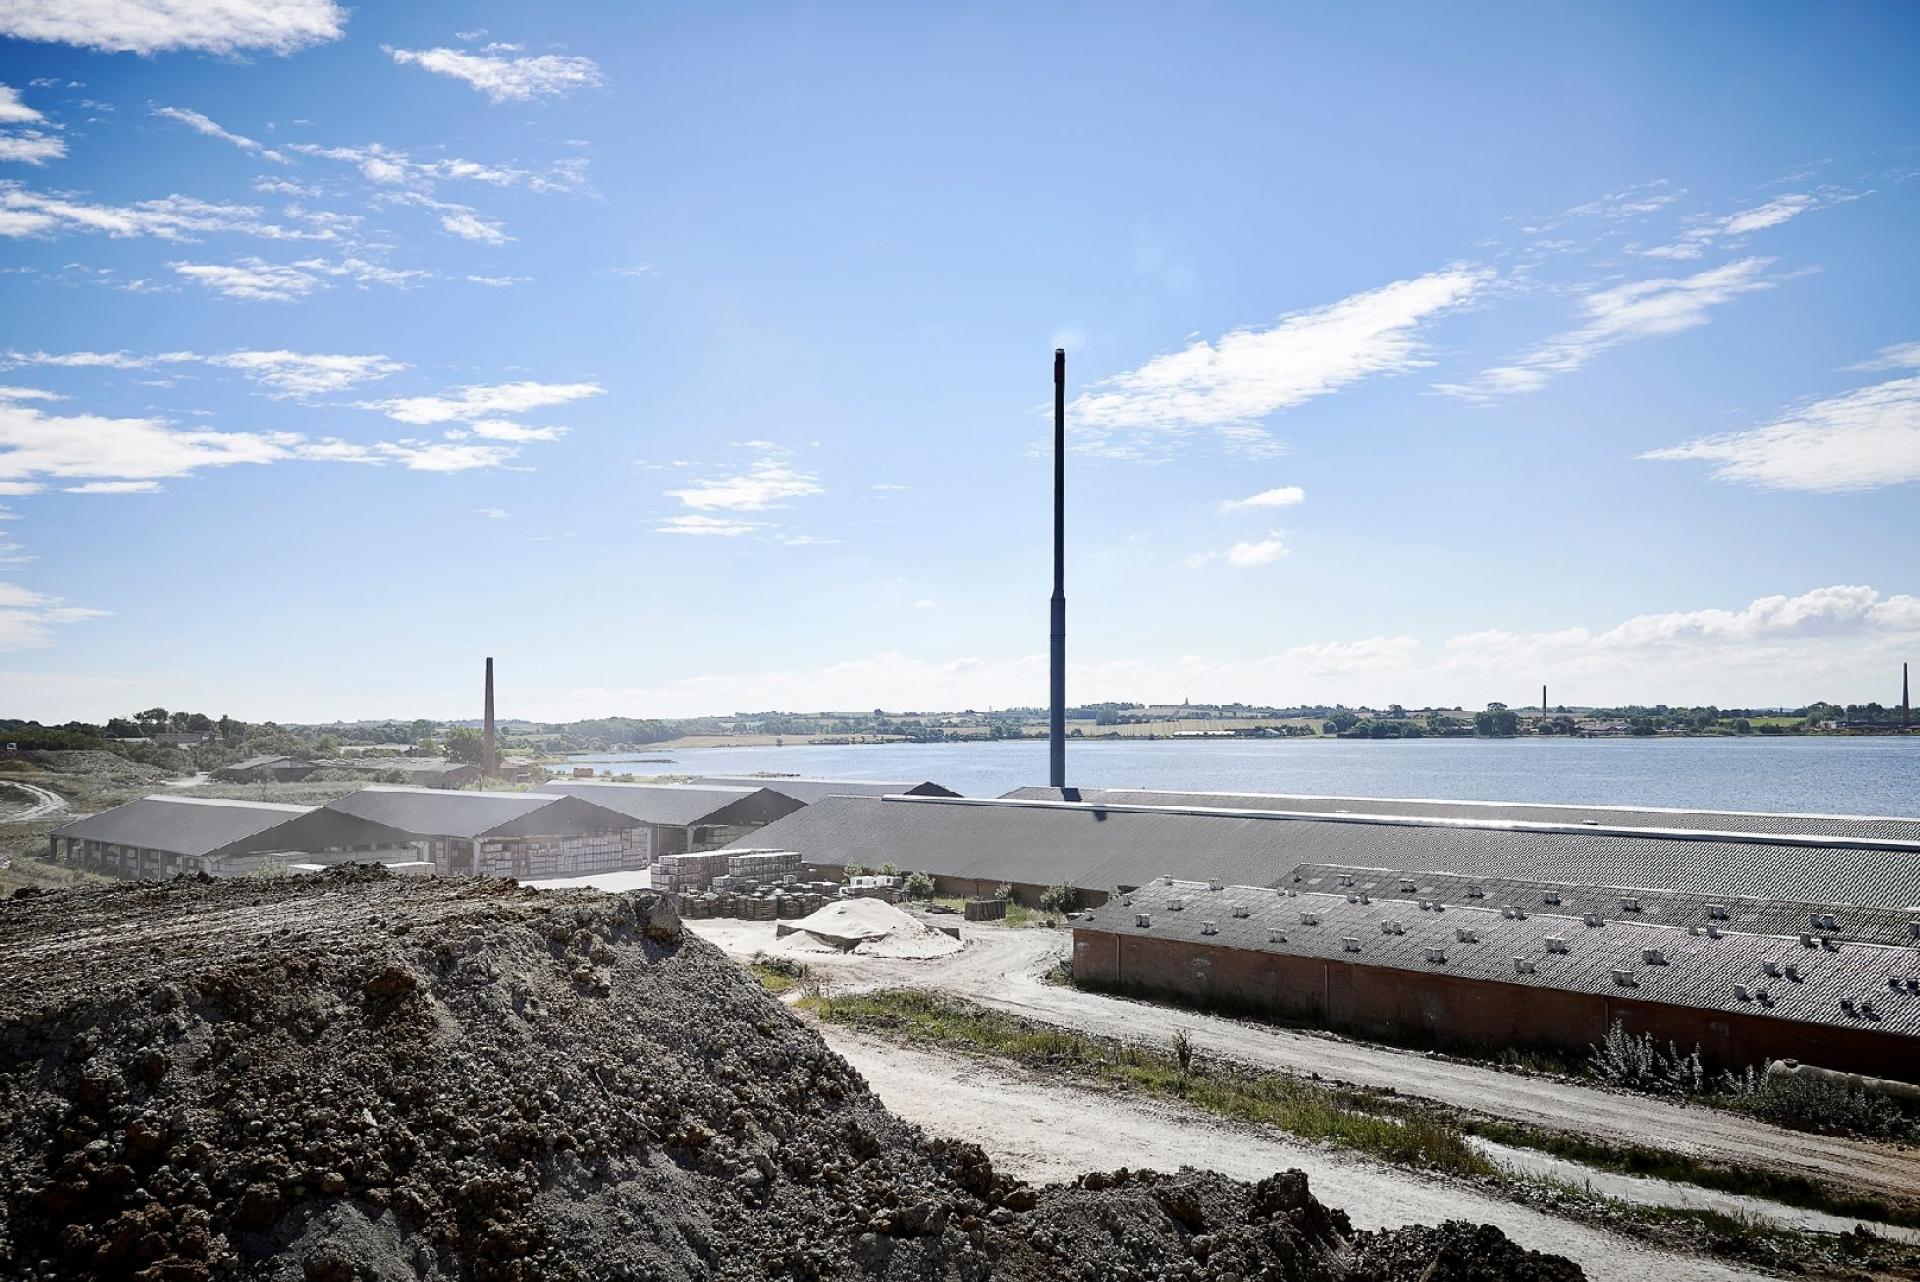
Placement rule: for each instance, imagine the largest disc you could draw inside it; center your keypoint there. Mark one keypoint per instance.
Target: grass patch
(1677, 1168)
(1354, 1120)
(778, 975)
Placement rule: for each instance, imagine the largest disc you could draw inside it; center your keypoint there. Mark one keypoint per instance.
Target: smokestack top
(1057, 692)
(489, 753)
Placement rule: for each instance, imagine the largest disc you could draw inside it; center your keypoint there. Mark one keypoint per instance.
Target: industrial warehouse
(158, 837)
(676, 819)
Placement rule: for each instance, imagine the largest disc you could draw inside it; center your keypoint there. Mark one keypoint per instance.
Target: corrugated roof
(441, 812)
(679, 805)
(812, 790)
(1480, 943)
(181, 825)
(1813, 825)
(1096, 847)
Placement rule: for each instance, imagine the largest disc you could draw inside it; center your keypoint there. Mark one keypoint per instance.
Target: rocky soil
(354, 1076)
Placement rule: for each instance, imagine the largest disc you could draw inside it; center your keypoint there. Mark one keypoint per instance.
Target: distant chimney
(1906, 707)
(489, 755)
(1543, 701)
(1057, 718)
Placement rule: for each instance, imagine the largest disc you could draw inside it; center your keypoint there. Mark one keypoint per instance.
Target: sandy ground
(1000, 967)
(1047, 1131)
(41, 803)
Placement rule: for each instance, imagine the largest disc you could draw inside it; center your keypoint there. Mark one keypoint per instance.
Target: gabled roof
(256, 763)
(1096, 847)
(440, 812)
(214, 826)
(679, 805)
(1694, 969)
(811, 790)
(1732, 821)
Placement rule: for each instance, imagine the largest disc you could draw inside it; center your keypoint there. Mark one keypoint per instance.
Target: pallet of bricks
(682, 875)
(872, 887)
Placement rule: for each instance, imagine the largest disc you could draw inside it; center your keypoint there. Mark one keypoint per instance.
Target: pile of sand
(872, 928)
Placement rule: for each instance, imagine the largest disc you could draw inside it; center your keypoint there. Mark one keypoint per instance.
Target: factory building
(502, 834)
(1522, 966)
(679, 818)
(812, 790)
(277, 769)
(163, 836)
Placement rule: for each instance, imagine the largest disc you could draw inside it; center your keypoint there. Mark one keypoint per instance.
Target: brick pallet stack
(681, 874)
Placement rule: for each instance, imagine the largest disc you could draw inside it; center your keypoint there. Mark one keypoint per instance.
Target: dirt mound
(1455, 1252)
(873, 927)
(105, 766)
(353, 1076)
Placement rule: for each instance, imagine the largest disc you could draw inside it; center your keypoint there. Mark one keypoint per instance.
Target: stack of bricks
(679, 874)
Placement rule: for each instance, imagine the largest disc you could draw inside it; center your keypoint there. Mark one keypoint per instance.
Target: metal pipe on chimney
(489, 758)
(1057, 712)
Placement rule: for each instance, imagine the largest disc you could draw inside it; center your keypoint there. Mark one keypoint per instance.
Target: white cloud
(493, 513)
(283, 373)
(115, 487)
(503, 77)
(470, 226)
(13, 111)
(498, 282)
(1285, 496)
(476, 403)
(768, 483)
(1249, 374)
(1620, 314)
(1860, 440)
(1705, 233)
(1898, 356)
(255, 280)
(499, 429)
(26, 616)
(1264, 552)
(24, 212)
(205, 125)
(155, 26)
(726, 527)
(31, 147)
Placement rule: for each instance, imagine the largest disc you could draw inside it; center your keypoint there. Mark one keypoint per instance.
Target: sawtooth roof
(215, 826)
(1609, 957)
(441, 812)
(679, 805)
(812, 790)
(1096, 847)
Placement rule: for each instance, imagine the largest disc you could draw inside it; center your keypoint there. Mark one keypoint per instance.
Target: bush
(888, 870)
(1059, 899)
(1003, 891)
(1810, 1104)
(1625, 1060)
(854, 870)
(918, 886)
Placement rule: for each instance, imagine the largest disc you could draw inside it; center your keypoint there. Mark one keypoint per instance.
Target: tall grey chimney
(1057, 712)
(1906, 708)
(489, 758)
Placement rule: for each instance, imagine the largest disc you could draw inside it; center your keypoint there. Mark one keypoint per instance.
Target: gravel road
(1045, 1131)
(1001, 967)
(42, 803)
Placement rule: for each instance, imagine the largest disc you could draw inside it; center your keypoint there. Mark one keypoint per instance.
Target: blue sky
(693, 359)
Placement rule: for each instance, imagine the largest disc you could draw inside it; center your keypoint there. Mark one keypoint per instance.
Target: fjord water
(1862, 776)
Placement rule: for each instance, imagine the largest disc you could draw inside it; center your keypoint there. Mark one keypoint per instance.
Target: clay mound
(872, 927)
(357, 1076)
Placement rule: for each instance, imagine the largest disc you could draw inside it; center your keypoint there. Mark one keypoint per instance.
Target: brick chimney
(489, 753)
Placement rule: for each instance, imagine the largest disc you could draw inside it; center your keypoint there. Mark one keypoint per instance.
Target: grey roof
(215, 826)
(1096, 847)
(679, 805)
(256, 763)
(440, 812)
(812, 790)
(1813, 825)
(1698, 970)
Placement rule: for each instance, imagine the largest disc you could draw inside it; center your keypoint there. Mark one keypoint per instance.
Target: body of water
(1877, 776)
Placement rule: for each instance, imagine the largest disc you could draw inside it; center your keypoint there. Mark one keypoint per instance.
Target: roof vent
(1713, 931)
(1276, 936)
(1365, 898)
(1693, 930)
(1791, 972)
(1550, 897)
(1166, 881)
(1769, 966)
(1176, 905)
(1624, 978)
(1742, 993)
(1514, 912)
(1309, 919)
(1474, 891)
(1209, 927)
(1439, 906)
(1213, 883)
(1523, 966)
(1866, 1008)
(1436, 954)
(1716, 912)
(1595, 919)
(1239, 910)
(1346, 879)
(1556, 944)
(1406, 886)
(1806, 940)
(1350, 943)
(1426, 905)
(1392, 928)
(1126, 901)
(1143, 919)
(1629, 905)
(1829, 943)
(1654, 956)
(1846, 1004)
(1466, 935)
(1353, 899)
(1824, 921)
(1913, 930)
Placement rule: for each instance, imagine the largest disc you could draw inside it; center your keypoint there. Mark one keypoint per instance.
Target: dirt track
(1001, 968)
(42, 803)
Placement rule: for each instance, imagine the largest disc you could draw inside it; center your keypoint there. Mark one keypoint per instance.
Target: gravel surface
(1001, 967)
(355, 1076)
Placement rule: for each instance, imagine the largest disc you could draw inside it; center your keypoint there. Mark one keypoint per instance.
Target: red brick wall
(1473, 1014)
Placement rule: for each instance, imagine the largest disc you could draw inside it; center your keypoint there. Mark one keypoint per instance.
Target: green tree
(465, 744)
(918, 885)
